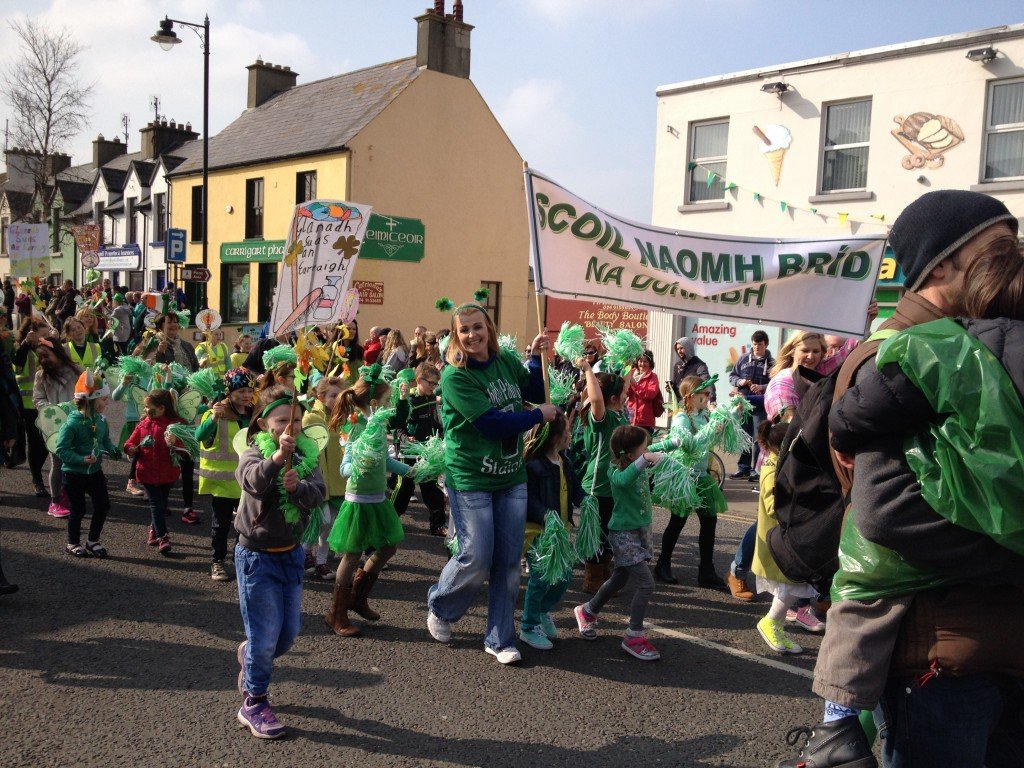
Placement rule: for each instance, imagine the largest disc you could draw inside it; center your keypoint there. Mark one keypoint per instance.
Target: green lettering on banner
(665, 258)
(754, 293)
(616, 247)
(252, 251)
(687, 264)
(560, 226)
(587, 227)
(753, 265)
(856, 265)
(715, 269)
(603, 273)
(542, 214)
(790, 264)
(816, 262)
(647, 258)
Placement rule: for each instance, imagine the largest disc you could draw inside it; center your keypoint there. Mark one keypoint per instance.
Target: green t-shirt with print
(472, 462)
(595, 432)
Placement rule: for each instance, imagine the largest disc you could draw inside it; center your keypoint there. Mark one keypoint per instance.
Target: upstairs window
(708, 144)
(254, 209)
(197, 213)
(844, 163)
(305, 186)
(1004, 131)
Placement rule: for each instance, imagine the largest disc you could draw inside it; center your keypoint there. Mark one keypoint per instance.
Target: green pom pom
(508, 342)
(136, 367)
(311, 535)
(587, 541)
(622, 347)
(555, 555)
(481, 294)
(277, 355)
(206, 382)
(571, 342)
(453, 544)
(369, 450)
(444, 304)
(675, 484)
(728, 421)
(186, 436)
(563, 385)
(429, 459)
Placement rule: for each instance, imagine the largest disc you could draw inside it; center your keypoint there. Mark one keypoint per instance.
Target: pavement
(131, 661)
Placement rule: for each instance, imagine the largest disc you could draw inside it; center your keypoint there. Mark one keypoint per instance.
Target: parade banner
(580, 251)
(319, 258)
(29, 250)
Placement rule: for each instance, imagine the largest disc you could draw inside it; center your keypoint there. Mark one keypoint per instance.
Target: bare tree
(50, 105)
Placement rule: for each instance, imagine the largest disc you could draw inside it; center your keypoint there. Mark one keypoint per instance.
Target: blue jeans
(748, 459)
(490, 527)
(745, 553)
(158, 495)
(541, 597)
(968, 721)
(270, 596)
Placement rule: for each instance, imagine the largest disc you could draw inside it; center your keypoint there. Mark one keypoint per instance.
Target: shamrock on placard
(347, 246)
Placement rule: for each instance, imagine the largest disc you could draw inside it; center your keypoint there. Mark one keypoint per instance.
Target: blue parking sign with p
(174, 250)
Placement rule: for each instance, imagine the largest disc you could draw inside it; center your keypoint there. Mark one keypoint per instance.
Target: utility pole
(125, 121)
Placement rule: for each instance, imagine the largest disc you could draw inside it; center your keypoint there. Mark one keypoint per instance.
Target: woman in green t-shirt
(482, 393)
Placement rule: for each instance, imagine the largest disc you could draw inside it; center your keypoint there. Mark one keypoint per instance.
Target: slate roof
(314, 117)
(113, 178)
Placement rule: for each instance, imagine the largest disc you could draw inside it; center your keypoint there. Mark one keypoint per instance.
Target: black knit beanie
(935, 225)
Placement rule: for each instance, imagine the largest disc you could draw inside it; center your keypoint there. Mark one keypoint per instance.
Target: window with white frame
(1004, 131)
(708, 143)
(844, 157)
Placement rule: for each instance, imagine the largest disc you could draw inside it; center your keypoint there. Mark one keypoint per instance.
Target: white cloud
(537, 117)
(565, 11)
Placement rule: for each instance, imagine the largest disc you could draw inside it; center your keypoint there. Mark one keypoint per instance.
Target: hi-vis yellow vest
(217, 355)
(217, 463)
(26, 378)
(89, 359)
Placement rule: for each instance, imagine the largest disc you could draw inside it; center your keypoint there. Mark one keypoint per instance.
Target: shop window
(265, 291)
(234, 293)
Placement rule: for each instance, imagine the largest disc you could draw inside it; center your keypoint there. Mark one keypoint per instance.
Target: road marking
(799, 671)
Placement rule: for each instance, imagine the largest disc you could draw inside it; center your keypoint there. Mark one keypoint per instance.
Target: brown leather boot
(362, 583)
(337, 616)
(593, 577)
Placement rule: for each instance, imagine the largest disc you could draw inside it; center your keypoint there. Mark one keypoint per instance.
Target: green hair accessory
(705, 385)
(481, 294)
(444, 304)
(279, 355)
(376, 374)
(271, 406)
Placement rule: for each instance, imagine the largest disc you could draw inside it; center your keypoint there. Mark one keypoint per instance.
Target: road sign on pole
(174, 249)
(196, 274)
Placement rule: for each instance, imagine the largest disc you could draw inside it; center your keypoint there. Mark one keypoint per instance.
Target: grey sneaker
(218, 572)
(440, 629)
(259, 718)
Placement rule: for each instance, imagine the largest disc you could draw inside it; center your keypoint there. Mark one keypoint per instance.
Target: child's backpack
(809, 498)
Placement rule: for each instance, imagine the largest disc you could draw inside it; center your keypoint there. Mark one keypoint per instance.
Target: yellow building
(413, 138)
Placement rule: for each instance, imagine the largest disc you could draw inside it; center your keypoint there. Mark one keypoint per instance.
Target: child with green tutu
(367, 519)
(690, 441)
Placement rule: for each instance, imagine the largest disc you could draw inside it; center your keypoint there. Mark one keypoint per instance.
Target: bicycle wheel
(716, 468)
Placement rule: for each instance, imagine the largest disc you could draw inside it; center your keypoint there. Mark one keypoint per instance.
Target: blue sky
(572, 81)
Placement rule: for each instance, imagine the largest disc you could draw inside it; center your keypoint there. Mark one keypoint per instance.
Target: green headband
(705, 385)
(275, 404)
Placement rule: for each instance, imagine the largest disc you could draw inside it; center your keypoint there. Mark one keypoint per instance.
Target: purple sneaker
(259, 718)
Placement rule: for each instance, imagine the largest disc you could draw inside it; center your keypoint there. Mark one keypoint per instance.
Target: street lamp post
(167, 39)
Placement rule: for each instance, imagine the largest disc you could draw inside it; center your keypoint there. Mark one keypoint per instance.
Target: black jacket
(424, 417)
(874, 417)
(544, 488)
(692, 366)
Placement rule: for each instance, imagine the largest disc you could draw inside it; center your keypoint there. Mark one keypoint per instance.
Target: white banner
(29, 249)
(580, 251)
(319, 258)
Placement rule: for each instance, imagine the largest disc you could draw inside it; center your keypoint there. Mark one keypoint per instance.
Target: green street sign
(251, 251)
(393, 238)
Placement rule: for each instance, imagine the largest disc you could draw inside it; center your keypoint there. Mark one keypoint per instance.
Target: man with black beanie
(961, 639)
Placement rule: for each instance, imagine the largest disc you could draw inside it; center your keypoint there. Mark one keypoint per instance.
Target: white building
(844, 141)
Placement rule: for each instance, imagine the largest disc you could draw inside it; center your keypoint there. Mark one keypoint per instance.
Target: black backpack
(809, 501)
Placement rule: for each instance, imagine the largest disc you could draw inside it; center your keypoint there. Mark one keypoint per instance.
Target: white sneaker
(440, 629)
(505, 655)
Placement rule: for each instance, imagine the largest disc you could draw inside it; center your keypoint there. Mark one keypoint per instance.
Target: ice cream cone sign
(775, 141)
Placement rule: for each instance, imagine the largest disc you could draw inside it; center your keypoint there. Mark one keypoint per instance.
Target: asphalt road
(131, 661)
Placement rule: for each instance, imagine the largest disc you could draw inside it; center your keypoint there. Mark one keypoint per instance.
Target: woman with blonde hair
(806, 349)
(395, 354)
(482, 393)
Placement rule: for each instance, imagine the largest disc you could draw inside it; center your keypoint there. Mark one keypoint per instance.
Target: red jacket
(371, 350)
(154, 465)
(641, 396)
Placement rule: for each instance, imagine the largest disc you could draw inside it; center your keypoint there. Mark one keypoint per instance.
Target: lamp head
(982, 55)
(166, 36)
(776, 88)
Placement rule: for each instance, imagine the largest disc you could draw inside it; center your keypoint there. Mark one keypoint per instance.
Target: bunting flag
(878, 219)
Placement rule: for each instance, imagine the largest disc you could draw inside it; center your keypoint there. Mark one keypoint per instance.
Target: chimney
(442, 41)
(56, 163)
(161, 136)
(266, 79)
(104, 151)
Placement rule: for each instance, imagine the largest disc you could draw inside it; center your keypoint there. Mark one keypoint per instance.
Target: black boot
(706, 574)
(663, 572)
(839, 744)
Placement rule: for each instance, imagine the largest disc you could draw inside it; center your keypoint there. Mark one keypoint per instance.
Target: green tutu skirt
(712, 500)
(360, 526)
(126, 432)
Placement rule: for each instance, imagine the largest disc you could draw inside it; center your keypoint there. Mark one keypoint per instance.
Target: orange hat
(91, 386)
